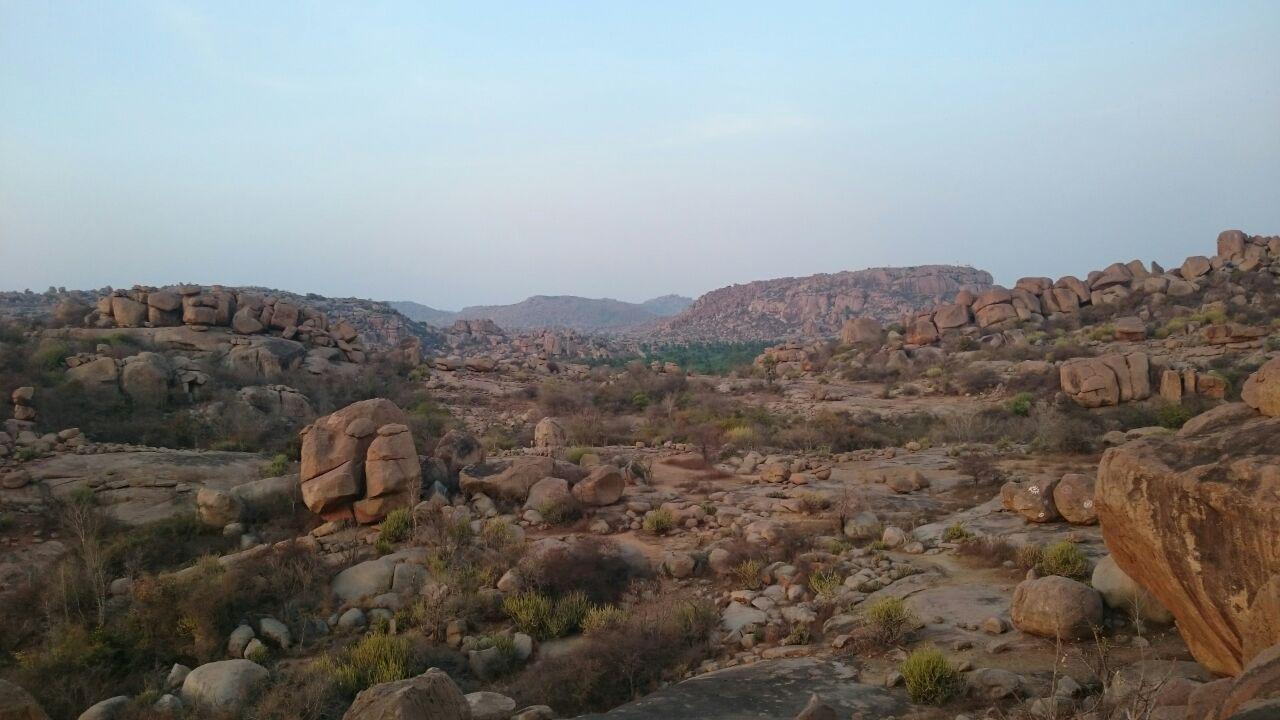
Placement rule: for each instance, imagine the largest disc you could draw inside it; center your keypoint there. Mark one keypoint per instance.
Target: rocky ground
(974, 514)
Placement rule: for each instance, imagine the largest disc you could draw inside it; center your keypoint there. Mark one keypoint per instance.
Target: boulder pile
(360, 463)
(243, 312)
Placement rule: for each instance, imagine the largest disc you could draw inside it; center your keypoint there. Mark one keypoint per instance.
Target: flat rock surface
(768, 690)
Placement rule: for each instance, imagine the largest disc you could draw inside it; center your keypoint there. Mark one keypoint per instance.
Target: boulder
(1056, 607)
(1261, 390)
(145, 379)
(1032, 500)
(550, 492)
(363, 580)
(1258, 686)
(95, 375)
(490, 705)
(1193, 518)
(216, 507)
(128, 312)
(863, 526)
(949, 317)
(815, 709)
(1106, 380)
(1231, 244)
(603, 486)
(105, 709)
(549, 434)
(1195, 266)
(1073, 498)
(225, 686)
(861, 331)
(429, 696)
(17, 704)
(458, 449)
(344, 475)
(922, 332)
(1121, 593)
(512, 482)
(995, 314)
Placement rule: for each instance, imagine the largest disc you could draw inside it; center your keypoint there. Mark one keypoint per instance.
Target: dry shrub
(987, 550)
(658, 641)
(595, 568)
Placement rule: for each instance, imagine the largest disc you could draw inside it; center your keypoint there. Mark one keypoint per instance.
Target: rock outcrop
(360, 463)
(1193, 519)
(429, 696)
(1107, 380)
(820, 304)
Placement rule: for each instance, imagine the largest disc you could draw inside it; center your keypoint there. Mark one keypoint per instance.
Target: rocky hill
(817, 305)
(575, 313)
(423, 313)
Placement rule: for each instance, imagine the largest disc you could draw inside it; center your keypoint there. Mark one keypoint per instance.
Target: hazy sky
(483, 152)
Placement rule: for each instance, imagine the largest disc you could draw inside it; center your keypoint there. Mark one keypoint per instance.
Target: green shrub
(574, 454)
(955, 533)
(6, 521)
(537, 615)
(1065, 559)
(278, 465)
(659, 522)
(929, 678)
(1172, 416)
(889, 620)
(559, 512)
(825, 583)
(813, 502)
(1021, 403)
(396, 526)
(375, 658)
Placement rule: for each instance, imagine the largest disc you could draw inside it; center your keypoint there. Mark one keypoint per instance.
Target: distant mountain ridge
(816, 305)
(564, 311)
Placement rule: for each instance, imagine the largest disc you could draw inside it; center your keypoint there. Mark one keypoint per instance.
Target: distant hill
(424, 313)
(577, 313)
(816, 305)
(667, 305)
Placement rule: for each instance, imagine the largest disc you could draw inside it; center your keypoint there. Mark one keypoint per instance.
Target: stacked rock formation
(244, 312)
(23, 410)
(1107, 380)
(360, 463)
(1193, 518)
(1036, 298)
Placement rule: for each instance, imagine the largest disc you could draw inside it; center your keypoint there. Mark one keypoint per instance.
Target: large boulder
(128, 312)
(1106, 380)
(145, 379)
(1073, 499)
(430, 696)
(861, 331)
(17, 704)
(1056, 607)
(603, 486)
(1032, 500)
(509, 483)
(96, 375)
(225, 686)
(458, 449)
(359, 462)
(1262, 390)
(1193, 518)
(549, 434)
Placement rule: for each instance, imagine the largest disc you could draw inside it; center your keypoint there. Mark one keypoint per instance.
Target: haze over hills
(567, 311)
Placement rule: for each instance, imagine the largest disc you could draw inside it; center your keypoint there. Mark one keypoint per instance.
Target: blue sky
(482, 152)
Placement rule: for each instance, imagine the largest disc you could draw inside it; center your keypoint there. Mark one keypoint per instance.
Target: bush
(955, 533)
(545, 619)
(825, 583)
(929, 678)
(1172, 416)
(659, 522)
(561, 512)
(601, 618)
(989, 551)
(396, 526)
(279, 465)
(1028, 556)
(889, 620)
(375, 658)
(1065, 559)
(1020, 405)
(748, 573)
(596, 569)
(575, 454)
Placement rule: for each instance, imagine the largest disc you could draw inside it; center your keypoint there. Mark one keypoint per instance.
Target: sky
(481, 152)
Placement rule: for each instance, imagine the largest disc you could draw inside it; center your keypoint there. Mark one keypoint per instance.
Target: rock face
(430, 696)
(360, 463)
(1193, 519)
(769, 309)
(17, 704)
(1055, 606)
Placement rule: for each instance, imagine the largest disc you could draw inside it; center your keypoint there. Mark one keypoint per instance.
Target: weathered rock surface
(429, 696)
(17, 704)
(223, 686)
(1193, 519)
